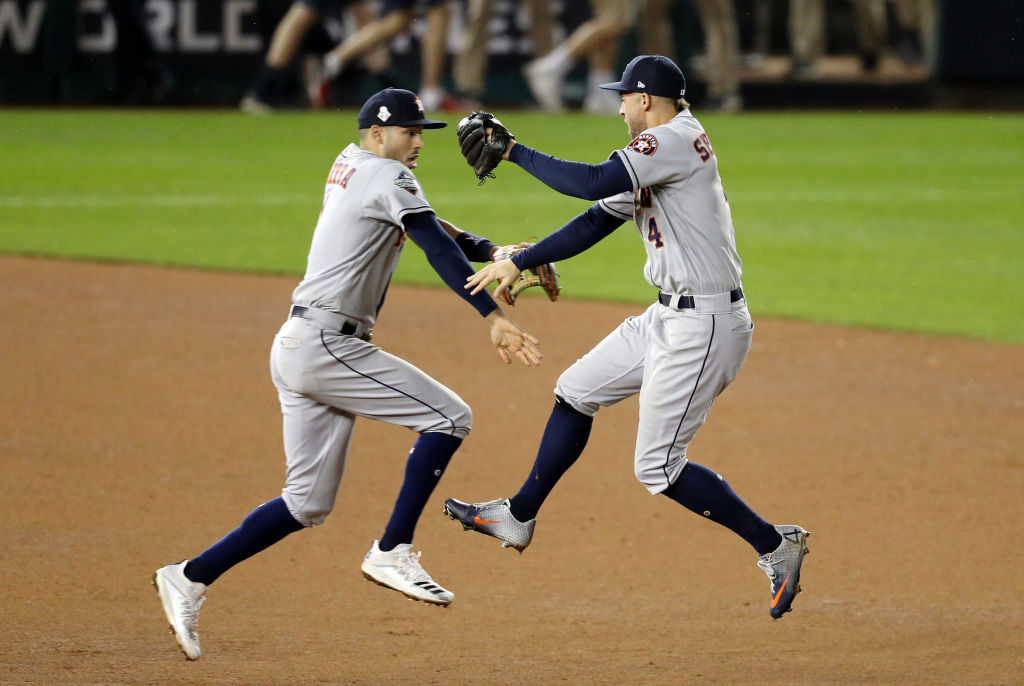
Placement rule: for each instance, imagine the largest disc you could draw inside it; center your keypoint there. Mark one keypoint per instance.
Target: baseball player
(680, 353)
(327, 372)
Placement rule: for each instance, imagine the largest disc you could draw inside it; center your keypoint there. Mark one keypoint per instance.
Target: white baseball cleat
(400, 569)
(181, 599)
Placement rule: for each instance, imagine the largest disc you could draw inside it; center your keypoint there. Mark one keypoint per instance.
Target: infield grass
(904, 221)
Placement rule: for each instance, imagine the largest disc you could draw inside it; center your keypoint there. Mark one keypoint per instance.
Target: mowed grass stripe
(932, 195)
(909, 221)
(106, 201)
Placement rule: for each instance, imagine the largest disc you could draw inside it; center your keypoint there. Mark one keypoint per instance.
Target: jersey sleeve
(658, 155)
(620, 206)
(395, 192)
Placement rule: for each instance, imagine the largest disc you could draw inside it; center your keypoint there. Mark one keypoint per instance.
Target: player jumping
(327, 372)
(681, 353)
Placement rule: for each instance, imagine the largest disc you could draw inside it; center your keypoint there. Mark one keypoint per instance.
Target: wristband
(475, 248)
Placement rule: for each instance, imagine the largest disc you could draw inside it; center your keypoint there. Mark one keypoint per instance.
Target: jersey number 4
(653, 235)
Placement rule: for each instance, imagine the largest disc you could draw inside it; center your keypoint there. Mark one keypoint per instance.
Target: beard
(393, 153)
(636, 126)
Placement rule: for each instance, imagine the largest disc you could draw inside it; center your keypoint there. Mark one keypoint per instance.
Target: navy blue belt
(686, 302)
(347, 328)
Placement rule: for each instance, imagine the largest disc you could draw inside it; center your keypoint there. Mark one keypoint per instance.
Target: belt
(689, 302)
(332, 321)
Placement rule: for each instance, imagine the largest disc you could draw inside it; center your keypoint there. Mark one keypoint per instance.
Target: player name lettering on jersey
(643, 198)
(341, 174)
(703, 147)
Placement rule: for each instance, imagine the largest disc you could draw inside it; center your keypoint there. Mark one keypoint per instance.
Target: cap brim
(425, 123)
(617, 86)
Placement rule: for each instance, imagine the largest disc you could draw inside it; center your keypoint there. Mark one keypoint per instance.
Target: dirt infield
(138, 424)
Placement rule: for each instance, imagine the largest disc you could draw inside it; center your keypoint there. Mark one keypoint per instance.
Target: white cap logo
(383, 114)
(641, 84)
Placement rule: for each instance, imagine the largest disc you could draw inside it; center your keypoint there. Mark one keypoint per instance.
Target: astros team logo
(645, 144)
(419, 105)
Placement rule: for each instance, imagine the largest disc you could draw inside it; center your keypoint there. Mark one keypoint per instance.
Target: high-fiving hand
(502, 271)
(509, 339)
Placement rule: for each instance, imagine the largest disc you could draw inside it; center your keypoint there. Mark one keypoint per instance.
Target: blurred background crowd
(267, 55)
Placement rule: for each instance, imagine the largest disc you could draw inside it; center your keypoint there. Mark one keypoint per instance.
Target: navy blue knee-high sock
(703, 491)
(427, 461)
(565, 437)
(265, 526)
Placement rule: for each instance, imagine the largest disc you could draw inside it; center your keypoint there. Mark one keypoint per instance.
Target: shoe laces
(410, 568)
(765, 564)
(190, 613)
(779, 556)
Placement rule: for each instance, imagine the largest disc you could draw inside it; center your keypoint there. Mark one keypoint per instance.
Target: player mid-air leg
(675, 397)
(609, 373)
(688, 367)
(780, 548)
(182, 586)
(512, 520)
(390, 561)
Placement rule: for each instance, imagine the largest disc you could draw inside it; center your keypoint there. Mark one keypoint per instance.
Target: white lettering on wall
(160, 15)
(106, 39)
(173, 24)
(235, 39)
(189, 38)
(22, 31)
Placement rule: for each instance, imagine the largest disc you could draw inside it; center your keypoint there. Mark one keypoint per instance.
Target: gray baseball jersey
(359, 236)
(325, 372)
(680, 355)
(680, 209)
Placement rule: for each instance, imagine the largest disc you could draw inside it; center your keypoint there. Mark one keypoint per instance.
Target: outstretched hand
(510, 340)
(503, 271)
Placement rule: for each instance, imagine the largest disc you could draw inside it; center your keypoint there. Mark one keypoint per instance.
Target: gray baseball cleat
(400, 569)
(782, 566)
(493, 518)
(181, 600)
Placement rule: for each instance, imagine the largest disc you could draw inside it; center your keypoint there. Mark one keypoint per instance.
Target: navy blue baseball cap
(395, 107)
(652, 74)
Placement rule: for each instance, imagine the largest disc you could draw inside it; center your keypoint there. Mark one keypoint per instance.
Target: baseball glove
(543, 275)
(482, 154)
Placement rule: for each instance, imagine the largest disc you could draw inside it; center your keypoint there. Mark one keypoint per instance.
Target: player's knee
(655, 473)
(565, 397)
(306, 510)
(642, 474)
(456, 420)
(464, 420)
(565, 405)
(313, 516)
(654, 480)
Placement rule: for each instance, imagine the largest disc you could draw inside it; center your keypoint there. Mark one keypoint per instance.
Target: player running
(327, 372)
(681, 353)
